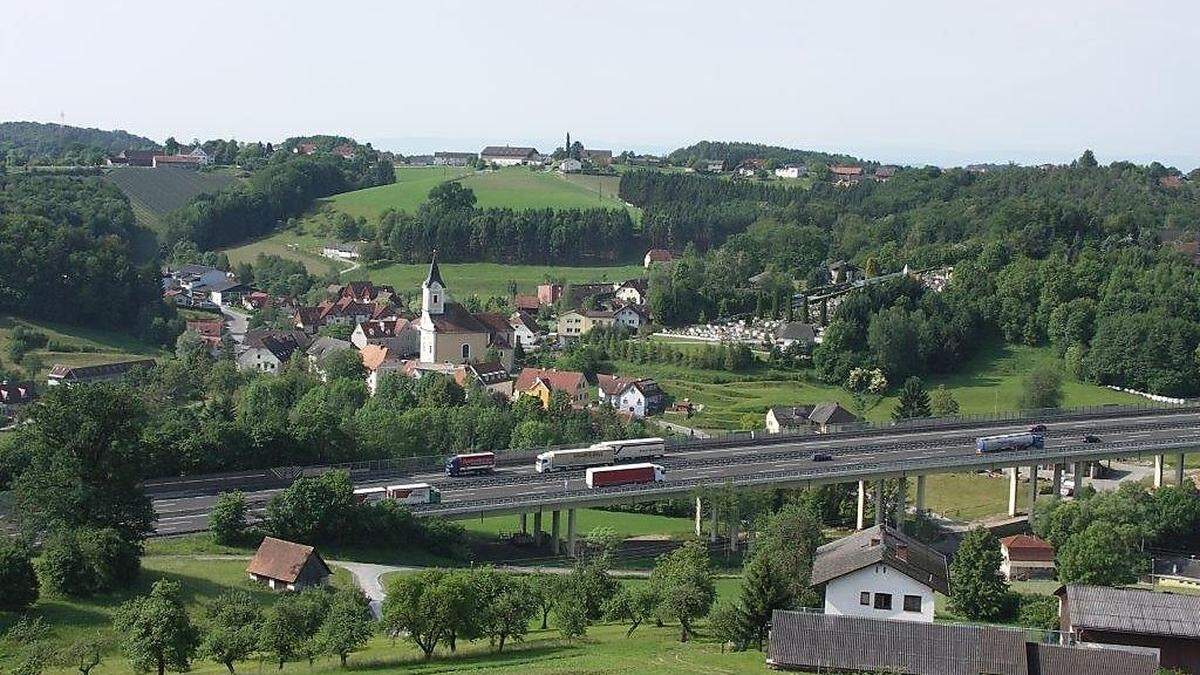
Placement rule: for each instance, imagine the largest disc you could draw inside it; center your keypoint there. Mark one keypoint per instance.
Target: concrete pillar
(920, 494)
(537, 527)
(1080, 475)
(1179, 462)
(1033, 486)
(524, 523)
(1057, 483)
(862, 505)
(879, 502)
(571, 532)
(712, 517)
(734, 530)
(554, 530)
(901, 503)
(698, 511)
(1012, 491)
(1159, 461)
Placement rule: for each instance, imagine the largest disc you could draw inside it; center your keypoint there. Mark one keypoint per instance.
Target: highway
(764, 462)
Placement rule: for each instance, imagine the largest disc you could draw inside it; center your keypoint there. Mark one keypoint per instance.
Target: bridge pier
(901, 502)
(1033, 487)
(555, 541)
(1080, 474)
(1057, 481)
(698, 518)
(879, 502)
(920, 505)
(1012, 491)
(524, 523)
(712, 516)
(1179, 461)
(1159, 465)
(571, 532)
(862, 505)
(537, 528)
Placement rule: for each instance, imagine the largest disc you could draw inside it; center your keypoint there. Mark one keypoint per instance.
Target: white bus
(635, 448)
(414, 493)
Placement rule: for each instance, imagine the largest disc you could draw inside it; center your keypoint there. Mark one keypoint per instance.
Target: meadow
(72, 346)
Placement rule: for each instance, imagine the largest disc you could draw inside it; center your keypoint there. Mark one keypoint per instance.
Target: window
(435, 298)
(912, 603)
(864, 599)
(466, 351)
(883, 601)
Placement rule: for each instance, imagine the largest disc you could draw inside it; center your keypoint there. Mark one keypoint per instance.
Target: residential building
(1024, 556)
(846, 175)
(454, 158)
(597, 157)
(821, 418)
(638, 397)
(322, 348)
(541, 382)
(341, 251)
(714, 165)
(881, 573)
(284, 565)
(634, 292)
(419, 160)
(345, 151)
(570, 165)
(576, 322)
(1130, 617)
(101, 372)
(379, 360)
(885, 172)
(526, 330)
(305, 149)
(492, 375)
(822, 643)
(449, 333)
(791, 171)
(143, 158)
(830, 417)
(209, 331)
(226, 291)
(657, 255)
(190, 277)
(1176, 572)
(266, 351)
(507, 155)
(363, 291)
(632, 317)
(14, 396)
(399, 335)
(796, 332)
(526, 302)
(344, 311)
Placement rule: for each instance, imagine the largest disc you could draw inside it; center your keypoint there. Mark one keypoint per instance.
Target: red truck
(475, 462)
(624, 474)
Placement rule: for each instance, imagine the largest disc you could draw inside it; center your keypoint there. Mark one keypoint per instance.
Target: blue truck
(986, 444)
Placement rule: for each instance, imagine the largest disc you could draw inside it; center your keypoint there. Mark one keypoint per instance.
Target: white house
(525, 329)
(342, 251)
(632, 317)
(267, 350)
(636, 397)
(570, 165)
(791, 171)
(1024, 556)
(200, 155)
(633, 292)
(399, 335)
(880, 573)
(226, 292)
(507, 155)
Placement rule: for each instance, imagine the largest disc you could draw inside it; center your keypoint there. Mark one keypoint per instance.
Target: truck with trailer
(1001, 443)
(634, 449)
(414, 493)
(369, 494)
(601, 453)
(624, 474)
(470, 464)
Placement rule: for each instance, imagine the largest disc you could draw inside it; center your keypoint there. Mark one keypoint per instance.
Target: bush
(85, 561)
(17, 576)
(63, 569)
(1037, 611)
(227, 523)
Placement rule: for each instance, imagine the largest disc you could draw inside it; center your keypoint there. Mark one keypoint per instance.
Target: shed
(1130, 617)
(285, 565)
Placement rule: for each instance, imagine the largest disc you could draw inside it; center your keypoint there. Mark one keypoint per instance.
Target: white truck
(414, 493)
(600, 454)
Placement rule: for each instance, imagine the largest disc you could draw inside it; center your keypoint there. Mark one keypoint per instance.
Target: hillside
(735, 152)
(153, 193)
(59, 141)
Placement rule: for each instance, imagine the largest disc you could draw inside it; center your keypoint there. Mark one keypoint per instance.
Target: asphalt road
(715, 466)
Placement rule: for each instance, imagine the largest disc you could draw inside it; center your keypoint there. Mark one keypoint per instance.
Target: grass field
(623, 524)
(989, 383)
(484, 279)
(406, 194)
(153, 193)
(293, 244)
(94, 346)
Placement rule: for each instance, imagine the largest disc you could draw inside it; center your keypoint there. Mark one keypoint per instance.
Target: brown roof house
(1024, 556)
(542, 382)
(822, 418)
(284, 565)
(1162, 623)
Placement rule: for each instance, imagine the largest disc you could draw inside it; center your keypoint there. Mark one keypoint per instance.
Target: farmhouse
(103, 372)
(266, 351)
(597, 157)
(1025, 556)
(283, 565)
(570, 165)
(450, 333)
(541, 382)
(454, 158)
(791, 171)
(1129, 617)
(657, 255)
(822, 418)
(341, 251)
(880, 573)
(226, 291)
(177, 161)
(507, 155)
(846, 175)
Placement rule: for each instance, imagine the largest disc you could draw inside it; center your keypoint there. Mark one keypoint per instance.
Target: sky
(910, 82)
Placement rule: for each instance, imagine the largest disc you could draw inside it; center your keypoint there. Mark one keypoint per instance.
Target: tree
(977, 588)
(84, 653)
(416, 605)
(312, 509)
(345, 363)
(1103, 554)
(289, 625)
(17, 576)
(235, 621)
(1041, 389)
(633, 606)
(347, 626)
(763, 591)
(914, 401)
(942, 403)
(727, 624)
(506, 604)
(157, 633)
(227, 522)
(545, 589)
(189, 347)
(684, 579)
(1088, 160)
(571, 616)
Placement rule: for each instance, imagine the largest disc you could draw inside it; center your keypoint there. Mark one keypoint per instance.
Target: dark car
(821, 457)
(1089, 438)
(1037, 428)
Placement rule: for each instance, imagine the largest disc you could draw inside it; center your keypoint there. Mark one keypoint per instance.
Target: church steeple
(433, 289)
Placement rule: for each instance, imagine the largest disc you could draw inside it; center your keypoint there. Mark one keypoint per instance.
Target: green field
(989, 383)
(625, 525)
(297, 244)
(484, 279)
(91, 346)
(153, 193)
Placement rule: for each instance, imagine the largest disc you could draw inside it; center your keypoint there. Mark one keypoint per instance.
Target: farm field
(153, 193)
(89, 346)
(484, 279)
(989, 383)
(293, 244)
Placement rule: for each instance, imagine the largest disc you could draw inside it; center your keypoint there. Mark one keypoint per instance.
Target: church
(450, 333)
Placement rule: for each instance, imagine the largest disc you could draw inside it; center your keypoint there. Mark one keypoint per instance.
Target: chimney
(902, 552)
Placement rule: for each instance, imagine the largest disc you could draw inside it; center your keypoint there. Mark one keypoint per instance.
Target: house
(576, 322)
(823, 643)
(1176, 571)
(822, 418)
(194, 283)
(363, 291)
(609, 386)
(632, 317)
(379, 360)
(714, 165)
(574, 295)
(345, 311)
(657, 255)
(638, 397)
(454, 158)
(791, 171)
(340, 251)
(570, 165)
(209, 331)
(14, 396)
(102, 372)
(256, 300)
(284, 565)
(266, 351)
(345, 151)
(492, 375)
(526, 330)
(449, 333)
(176, 161)
(419, 160)
(829, 417)
(880, 573)
(796, 332)
(399, 335)
(597, 157)
(842, 272)
(226, 291)
(541, 382)
(845, 175)
(1130, 617)
(1024, 556)
(134, 158)
(322, 348)
(526, 302)
(883, 173)
(507, 155)
(787, 418)
(305, 148)
(634, 292)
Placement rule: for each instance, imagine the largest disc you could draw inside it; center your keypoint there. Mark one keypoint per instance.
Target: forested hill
(57, 143)
(736, 152)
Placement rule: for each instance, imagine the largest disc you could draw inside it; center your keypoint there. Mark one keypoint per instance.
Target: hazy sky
(912, 81)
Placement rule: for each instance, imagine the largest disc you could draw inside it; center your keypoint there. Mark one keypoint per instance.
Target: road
(236, 323)
(513, 489)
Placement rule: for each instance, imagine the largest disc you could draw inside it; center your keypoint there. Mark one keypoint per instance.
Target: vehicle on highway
(371, 494)
(986, 444)
(635, 448)
(1089, 438)
(1067, 488)
(1037, 429)
(624, 474)
(414, 493)
(821, 457)
(471, 463)
(599, 454)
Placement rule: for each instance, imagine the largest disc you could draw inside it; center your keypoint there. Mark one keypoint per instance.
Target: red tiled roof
(206, 327)
(562, 380)
(1028, 547)
(526, 301)
(843, 170)
(281, 560)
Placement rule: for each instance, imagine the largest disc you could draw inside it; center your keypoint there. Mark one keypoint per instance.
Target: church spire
(434, 273)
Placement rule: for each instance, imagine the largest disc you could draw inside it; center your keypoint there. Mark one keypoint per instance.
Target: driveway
(237, 323)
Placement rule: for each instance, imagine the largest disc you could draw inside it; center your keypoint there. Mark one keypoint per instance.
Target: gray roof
(517, 152)
(1188, 568)
(797, 330)
(1127, 610)
(324, 346)
(881, 544)
(851, 643)
(225, 285)
(791, 415)
(832, 413)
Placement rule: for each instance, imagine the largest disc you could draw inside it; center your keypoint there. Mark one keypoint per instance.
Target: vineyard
(153, 193)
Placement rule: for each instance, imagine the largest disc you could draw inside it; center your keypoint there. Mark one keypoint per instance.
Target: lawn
(625, 525)
(989, 383)
(967, 497)
(485, 279)
(406, 194)
(88, 345)
(300, 244)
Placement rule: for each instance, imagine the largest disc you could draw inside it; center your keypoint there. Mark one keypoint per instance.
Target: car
(1037, 428)
(821, 457)
(1089, 438)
